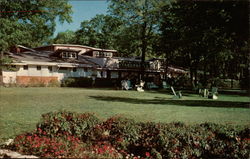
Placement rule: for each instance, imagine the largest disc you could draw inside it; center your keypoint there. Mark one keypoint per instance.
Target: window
(73, 55)
(74, 69)
(96, 53)
(50, 68)
(101, 54)
(38, 67)
(25, 67)
(68, 55)
(64, 55)
(13, 67)
(109, 54)
(85, 69)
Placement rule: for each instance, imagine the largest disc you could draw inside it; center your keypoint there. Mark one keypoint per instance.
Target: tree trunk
(191, 77)
(1, 65)
(143, 50)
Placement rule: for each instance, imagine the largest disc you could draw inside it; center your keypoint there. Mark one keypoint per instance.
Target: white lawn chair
(126, 84)
(213, 94)
(140, 86)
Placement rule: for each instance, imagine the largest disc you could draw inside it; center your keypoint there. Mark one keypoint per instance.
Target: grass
(21, 108)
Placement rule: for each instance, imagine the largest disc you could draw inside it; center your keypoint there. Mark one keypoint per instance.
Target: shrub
(45, 146)
(68, 134)
(53, 83)
(61, 147)
(118, 130)
(68, 123)
(77, 82)
(102, 82)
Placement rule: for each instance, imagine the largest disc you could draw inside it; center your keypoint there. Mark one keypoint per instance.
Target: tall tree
(30, 22)
(141, 17)
(201, 35)
(100, 31)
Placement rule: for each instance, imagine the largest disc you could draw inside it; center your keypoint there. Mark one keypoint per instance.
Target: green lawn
(21, 108)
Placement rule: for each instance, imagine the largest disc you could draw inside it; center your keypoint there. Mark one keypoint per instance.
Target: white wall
(80, 72)
(10, 76)
(32, 71)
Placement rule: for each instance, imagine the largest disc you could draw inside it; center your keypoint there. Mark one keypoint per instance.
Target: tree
(30, 22)
(67, 37)
(140, 18)
(100, 31)
(202, 35)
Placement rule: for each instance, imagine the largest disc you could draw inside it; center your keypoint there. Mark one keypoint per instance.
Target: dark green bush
(77, 82)
(88, 82)
(102, 82)
(68, 123)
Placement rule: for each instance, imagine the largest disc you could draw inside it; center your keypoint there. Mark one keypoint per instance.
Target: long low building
(58, 62)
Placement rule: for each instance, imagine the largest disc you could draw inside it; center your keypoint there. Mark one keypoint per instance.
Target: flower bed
(68, 134)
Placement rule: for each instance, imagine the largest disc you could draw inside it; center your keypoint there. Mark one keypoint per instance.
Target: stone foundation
(33, 80)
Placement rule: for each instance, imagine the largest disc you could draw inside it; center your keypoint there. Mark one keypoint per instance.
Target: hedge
(69, 134)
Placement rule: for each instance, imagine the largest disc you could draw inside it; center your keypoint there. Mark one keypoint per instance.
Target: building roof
(81, 46)
(43, 57)
(36, 57)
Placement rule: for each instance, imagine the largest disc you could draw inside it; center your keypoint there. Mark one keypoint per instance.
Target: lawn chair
(213, 94)
(177, 95)
(126, 84)
(140, 86)
(203, 93)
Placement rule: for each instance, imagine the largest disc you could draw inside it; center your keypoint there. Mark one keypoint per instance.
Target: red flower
(105, 147)
(120, 140)
(100, 151)
(147, 154)
(40, 130)
(69, 138)
(29, 138)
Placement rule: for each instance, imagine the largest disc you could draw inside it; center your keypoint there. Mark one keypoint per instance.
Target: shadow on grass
(192, 103)
(187, 92)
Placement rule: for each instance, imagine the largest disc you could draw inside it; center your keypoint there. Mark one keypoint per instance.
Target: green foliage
(67, 37)
(87, 82)
(68, 123)
(100, 31)
(30, 23)
(58, 136)
(118, 130)
(5, 63)
(54, 83)
(77, 82)
(140, 20)
(209, 42)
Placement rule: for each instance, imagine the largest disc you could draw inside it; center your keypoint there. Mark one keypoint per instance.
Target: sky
(82, 10)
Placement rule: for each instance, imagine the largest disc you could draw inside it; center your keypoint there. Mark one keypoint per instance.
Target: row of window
(73, 69)
(26, 67)
(103, 54)
(68, 55)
